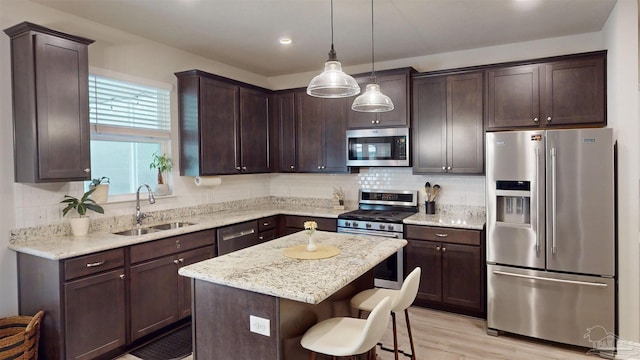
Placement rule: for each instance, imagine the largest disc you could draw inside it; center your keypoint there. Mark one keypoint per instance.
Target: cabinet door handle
(319, 167)
(292, 167)
(122, 276)
(260, 237)
(442, 235)
(181, 260)
(437, 248)
(444, 168)
(265, 224)
(373, 121)
(176, 261)
(238, 168)
(444, 249)
(87, 170)
(448, 167)
(178, 245)
(535, 119)
(548, 118)
(244, 168)
(95, 264)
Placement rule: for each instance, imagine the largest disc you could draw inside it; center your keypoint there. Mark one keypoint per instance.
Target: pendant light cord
(373, 71)
(332, 51)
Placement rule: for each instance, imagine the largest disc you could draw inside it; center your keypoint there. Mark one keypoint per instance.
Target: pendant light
(373, 100)
(333, 83)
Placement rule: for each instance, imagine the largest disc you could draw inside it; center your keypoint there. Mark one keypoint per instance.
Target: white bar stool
(400, 301)
(346, 336)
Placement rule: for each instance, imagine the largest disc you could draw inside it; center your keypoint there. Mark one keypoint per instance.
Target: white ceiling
(245, 33)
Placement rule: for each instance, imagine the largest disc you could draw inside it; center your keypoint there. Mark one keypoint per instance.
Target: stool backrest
(376, 325)
(409, 290)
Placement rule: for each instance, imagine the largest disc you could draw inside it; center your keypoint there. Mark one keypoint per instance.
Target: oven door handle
(371, 233)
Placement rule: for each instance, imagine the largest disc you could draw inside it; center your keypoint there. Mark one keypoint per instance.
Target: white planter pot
(101, 193)
(79, 226)
(162, 189)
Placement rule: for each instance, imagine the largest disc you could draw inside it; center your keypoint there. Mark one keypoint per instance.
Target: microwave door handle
(537, 152)
(553, 201)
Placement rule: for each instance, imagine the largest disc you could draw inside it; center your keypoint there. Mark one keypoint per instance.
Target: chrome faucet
(139, 214)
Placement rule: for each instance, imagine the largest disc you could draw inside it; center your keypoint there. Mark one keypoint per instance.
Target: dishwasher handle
(236, 235)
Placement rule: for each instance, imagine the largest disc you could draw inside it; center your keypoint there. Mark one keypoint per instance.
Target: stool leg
(413, 351)
(395, 335)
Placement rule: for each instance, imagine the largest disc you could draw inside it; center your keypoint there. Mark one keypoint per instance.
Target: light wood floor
(444, 336)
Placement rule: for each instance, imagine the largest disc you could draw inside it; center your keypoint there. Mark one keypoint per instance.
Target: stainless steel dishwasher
(236, 237)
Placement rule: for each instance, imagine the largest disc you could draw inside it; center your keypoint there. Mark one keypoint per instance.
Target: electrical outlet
(259, 325)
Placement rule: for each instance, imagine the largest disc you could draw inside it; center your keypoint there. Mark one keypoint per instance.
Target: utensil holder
(430, 207)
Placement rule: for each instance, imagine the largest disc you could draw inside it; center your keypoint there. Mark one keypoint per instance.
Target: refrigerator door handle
(537, 152)
(553, 200)
(575, 282)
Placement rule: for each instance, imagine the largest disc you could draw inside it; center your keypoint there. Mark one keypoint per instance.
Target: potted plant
(162, 163)
(101, 186)
(80, 224)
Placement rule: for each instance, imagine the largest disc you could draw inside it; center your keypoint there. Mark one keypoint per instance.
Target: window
(130, 120)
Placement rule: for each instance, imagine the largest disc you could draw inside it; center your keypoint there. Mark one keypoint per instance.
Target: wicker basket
(19, 337)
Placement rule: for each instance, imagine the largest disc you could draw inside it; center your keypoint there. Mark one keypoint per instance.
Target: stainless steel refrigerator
(551, 264)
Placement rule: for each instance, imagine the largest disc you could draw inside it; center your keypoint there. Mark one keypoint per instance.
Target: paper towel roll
(208, 180)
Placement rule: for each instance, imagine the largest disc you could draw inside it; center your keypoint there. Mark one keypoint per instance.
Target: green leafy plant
(162, 163)
(81, 205)
(98, 181)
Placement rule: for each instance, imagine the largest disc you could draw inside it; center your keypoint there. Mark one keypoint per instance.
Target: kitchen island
(256, 303)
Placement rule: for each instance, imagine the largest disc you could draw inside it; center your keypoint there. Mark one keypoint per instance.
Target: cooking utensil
(436, 192)
(427, 190)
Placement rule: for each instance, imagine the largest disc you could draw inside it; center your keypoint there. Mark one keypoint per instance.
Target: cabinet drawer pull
(444, 249)
(176, 261)
(90, 265)
(122, 276)
(181, 260)
(442, 235)
(265, 224)
(437, 248)
(260, 237)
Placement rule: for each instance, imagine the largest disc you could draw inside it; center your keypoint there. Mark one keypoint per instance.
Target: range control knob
(390, 227)
(368, 226)
(347, 223)
(381, 226)
(355, 224)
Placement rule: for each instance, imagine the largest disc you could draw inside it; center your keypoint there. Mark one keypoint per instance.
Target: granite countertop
(264, 269)
(64, 247)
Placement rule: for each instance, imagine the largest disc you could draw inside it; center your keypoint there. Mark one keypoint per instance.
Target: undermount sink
(169, 226)
(154, 228)
(136, 232)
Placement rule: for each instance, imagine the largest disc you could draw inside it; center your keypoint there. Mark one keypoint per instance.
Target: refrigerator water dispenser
(513, 200)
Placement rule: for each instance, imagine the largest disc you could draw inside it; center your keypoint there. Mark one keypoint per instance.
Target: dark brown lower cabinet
(97, 305)
(453, 269)
(95, 314)
(295, 223)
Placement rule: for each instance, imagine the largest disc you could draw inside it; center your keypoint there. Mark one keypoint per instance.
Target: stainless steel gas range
(380, 213)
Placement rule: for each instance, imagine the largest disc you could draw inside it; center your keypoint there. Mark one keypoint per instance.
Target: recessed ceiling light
(285, 41)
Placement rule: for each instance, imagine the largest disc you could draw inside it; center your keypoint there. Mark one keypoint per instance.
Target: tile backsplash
(39, 204)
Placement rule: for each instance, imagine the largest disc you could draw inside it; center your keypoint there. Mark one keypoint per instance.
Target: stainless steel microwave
(378, 147)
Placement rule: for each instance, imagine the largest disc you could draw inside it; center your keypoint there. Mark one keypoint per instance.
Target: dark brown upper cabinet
(223, 124)
(285, 131)
(565, 92)
(50, 73)
(321, 126)
(447, 132)
(396, 85)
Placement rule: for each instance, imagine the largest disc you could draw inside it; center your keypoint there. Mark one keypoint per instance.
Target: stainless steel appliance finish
(550, 233)
(378, 147)
(380, 213)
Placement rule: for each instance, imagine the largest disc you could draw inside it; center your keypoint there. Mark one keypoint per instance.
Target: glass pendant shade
(333, 83)
(373, 100)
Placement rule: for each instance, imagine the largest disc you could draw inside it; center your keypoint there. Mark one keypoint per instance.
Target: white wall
(621, 35)
(125, 53)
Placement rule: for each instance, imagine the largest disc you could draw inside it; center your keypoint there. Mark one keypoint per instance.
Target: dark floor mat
(176, 345)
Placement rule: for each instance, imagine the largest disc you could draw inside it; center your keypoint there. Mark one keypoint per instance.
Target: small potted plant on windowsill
(101, 186)
(164, 164)
(80, 224)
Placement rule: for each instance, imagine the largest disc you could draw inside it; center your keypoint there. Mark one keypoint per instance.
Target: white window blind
(120, 107)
